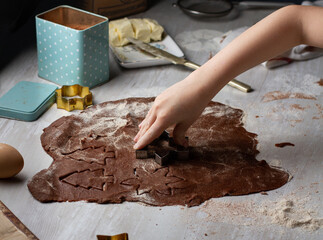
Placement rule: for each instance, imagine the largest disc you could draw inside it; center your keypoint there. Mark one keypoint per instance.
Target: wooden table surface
(298, 121)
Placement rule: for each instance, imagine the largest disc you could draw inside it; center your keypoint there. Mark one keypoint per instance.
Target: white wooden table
(222, 218)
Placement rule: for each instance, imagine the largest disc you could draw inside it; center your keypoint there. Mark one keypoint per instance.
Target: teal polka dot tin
(73, 47)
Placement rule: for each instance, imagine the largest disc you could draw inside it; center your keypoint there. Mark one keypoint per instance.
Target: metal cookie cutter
(163, 154)
(122, 236)
(66, 97)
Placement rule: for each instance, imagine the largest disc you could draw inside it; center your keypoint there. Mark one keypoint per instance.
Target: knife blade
(181, 61)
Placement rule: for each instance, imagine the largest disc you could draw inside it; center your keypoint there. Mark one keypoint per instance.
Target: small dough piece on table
(156, 30)
(141, 29)
(119, 30)
(94, 159)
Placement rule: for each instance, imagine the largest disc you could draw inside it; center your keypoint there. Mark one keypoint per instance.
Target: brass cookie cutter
(66, 97)
(122, 236)
(161, 155)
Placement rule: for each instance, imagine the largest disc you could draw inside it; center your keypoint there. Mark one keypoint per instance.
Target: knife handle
(191, 65)
(233, 83)
(240, 85)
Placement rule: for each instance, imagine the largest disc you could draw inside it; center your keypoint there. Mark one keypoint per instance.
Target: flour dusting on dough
(94, 159)
(219, 111)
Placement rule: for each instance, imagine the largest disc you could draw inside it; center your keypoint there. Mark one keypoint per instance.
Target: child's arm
(181, 104)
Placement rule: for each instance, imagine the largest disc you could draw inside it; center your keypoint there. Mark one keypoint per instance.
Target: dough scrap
(94, 159)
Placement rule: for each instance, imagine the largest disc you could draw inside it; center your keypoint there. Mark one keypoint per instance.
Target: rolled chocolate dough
(94, 159)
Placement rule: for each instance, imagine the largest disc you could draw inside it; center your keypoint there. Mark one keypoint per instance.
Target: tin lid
(27, 100)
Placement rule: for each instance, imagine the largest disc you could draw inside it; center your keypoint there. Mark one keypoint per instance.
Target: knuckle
(163, 116)
(157, 107)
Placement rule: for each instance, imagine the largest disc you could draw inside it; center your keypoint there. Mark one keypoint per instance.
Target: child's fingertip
(137, 137)
(135, 146)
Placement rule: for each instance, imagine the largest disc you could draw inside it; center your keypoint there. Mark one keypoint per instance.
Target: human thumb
(179, 134)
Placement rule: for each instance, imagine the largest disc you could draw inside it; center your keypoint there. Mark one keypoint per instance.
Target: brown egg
(11, 161)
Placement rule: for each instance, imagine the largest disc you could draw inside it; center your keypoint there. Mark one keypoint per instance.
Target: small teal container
(27, 100)
(73, 47)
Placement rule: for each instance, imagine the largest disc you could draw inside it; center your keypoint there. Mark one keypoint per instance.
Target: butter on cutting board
(144, 29)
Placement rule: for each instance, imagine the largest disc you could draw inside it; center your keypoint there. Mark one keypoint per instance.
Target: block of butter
(156, 30)
(143, 29)
(119, 30)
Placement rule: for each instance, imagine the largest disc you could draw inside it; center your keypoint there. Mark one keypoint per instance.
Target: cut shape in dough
(94, 159)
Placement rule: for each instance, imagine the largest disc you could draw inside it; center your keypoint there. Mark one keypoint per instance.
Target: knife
(182, 61)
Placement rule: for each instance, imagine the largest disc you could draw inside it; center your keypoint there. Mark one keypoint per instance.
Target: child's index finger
(152, 133)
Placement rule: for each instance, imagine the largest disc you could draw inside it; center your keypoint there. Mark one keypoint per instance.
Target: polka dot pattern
(67, 56)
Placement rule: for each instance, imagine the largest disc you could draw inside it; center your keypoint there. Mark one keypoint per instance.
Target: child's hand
(181, 104)
(178, 106)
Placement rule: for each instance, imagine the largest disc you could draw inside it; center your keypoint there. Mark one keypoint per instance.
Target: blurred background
(17, 20)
